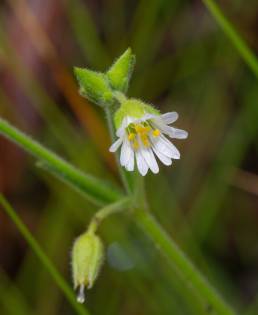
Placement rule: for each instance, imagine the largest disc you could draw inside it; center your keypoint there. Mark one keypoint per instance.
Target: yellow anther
(146, 143)
(135, 144)
(156, 132)
(131, 136)
(139, 128)
(145, 140)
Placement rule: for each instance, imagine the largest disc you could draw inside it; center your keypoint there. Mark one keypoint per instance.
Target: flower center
(142, 131)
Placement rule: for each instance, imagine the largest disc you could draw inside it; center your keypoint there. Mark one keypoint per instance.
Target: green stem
(181, 263)
(96, 189)
(123, 175)
(176, 257)
(93, 188)
(43, 257)
(243, 49)
(107, 211)
(120, 97)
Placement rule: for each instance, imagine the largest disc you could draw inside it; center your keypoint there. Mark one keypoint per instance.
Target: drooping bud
(87, 258)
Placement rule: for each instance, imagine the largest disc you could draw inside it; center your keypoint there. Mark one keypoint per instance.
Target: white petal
(150, 159)
(149, 116)
(179, 133)
(170, 145)
(162, 147)
(126, 152)
(166, 147)
(170, 117)
(126, 121)
(121, 131)
(141, 163)
(163, 158)
(174, 132)
(130, 163)
(116, 145)
(170, 131)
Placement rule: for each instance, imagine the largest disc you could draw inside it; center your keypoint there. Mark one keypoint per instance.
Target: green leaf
(120, 72)
(93, 188)
(94, 86)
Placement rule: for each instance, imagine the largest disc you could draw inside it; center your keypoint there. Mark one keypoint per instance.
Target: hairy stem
(107, 211)
(124, 176)
(93, 188)
(181, 263)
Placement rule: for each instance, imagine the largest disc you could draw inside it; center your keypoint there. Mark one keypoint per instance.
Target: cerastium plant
(141, 134)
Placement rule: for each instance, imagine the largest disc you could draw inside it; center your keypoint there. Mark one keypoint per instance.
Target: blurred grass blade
(11, 299)
(93, 188)
(181, 263)
(242, 132)
(84, 112)
(243, 49)
(43, 257)
(86, 33)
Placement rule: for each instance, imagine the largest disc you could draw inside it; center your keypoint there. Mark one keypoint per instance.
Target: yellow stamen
(145, 140)
(141, 129)
(146, 143)
(156, 132)
(131, 136)
(135, 144)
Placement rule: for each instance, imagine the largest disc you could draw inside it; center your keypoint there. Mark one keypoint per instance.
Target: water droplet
(81, 295)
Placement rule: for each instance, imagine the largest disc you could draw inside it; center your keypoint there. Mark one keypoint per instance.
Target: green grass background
(207, 201)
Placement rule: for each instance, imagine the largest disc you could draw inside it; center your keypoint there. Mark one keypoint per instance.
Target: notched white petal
(150, 159)
(171, 147)
(154, 167)
(141, 163)
(130, 163)
(166, 147)
(125, 152)
(162, 157)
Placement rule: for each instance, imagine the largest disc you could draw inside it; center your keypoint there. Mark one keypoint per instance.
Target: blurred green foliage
(207, 201)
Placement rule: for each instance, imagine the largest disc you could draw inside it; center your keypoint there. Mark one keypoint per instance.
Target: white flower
(143, 138)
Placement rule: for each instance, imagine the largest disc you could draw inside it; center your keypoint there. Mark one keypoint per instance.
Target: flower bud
(120, 72)
(94, 86)
(87, 258)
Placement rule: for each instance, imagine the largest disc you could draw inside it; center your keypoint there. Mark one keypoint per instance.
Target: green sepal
(120, 72)
(133, 108)
(94, 86)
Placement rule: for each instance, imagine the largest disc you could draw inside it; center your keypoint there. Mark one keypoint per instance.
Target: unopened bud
(87, 258)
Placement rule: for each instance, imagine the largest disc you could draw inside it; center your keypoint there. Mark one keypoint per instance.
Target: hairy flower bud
(87, 258)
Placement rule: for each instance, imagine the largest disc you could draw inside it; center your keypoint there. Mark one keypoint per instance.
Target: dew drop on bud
(81, 295)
